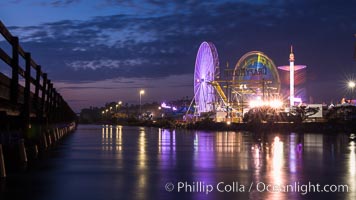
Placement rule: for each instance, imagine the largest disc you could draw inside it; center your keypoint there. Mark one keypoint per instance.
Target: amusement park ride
(252, 86)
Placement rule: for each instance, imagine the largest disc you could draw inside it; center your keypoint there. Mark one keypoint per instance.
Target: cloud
(101, 63)
(165, 43)
(57, 3)
(147, 42)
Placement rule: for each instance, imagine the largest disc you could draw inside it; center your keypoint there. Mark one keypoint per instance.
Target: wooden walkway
(33, 115)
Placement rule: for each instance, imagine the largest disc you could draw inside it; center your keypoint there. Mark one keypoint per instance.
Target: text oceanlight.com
(202, 187)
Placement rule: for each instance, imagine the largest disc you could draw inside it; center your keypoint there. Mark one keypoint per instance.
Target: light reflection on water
(118, 162)
(351, 177)
(212, 157)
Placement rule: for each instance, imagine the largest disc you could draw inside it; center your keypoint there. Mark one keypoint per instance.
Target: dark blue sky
(100, 51)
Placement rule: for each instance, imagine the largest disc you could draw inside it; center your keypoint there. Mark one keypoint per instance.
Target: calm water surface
(115, 162)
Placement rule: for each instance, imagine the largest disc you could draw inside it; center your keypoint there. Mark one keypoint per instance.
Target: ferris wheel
(206, 69)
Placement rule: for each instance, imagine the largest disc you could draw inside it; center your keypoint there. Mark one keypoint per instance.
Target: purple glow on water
(300, 148)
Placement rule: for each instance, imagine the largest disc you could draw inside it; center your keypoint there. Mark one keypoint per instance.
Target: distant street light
(351, 85)
(141, 93)
(103, 114)
(106, 112)
(118, 105)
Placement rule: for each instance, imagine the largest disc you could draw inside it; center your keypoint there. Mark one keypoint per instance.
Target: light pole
(351, 85)
(118, 105)
(141, 93)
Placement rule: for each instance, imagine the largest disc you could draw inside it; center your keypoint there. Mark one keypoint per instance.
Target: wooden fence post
(43, 98)
(49, 101)
(14, 91)
(27, 91)
(60, 108)
(54, 105)
(58, 111)
(27, 97)
(37, 91)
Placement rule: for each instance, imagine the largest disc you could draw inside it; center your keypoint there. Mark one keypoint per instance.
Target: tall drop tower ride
(292, 69)
(291, 76)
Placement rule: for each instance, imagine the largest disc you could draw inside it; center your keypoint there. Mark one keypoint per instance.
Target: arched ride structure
(255, 76)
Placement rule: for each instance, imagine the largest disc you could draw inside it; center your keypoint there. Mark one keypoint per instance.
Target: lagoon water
(116, 162)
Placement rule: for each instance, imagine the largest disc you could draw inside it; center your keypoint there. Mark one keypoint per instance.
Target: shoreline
(318, 127)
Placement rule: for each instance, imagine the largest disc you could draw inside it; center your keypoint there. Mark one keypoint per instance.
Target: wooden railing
(44, 105)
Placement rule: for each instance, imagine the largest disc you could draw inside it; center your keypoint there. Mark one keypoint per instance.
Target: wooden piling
(22, 148)
(2, 164)
(49, 139)
(36, 151)
(45, 145)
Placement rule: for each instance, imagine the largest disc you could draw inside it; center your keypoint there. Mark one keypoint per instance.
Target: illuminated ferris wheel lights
(205, 70)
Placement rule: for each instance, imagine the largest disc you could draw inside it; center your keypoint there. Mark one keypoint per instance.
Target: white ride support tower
(291, 77)
(292, 71)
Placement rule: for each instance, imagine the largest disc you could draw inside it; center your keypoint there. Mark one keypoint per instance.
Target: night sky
(101, 51)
